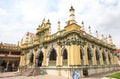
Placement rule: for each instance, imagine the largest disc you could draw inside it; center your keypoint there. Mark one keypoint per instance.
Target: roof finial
(44, 20)
(71, 8)
(96, 34)
(89, 30)
(58, 25)
(82, 26)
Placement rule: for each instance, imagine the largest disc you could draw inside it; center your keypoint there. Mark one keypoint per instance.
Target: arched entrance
(89, 53)
(81, 55)
(65, 57)
(40, 58)
(97, 57)
(104, 57)
(52, 57)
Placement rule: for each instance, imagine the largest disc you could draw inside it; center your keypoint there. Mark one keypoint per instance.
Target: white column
(61, 58)
(47, 61)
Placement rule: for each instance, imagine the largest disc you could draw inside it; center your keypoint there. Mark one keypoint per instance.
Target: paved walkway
(13, 75)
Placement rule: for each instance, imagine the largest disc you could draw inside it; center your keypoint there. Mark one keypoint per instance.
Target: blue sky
(20, 16)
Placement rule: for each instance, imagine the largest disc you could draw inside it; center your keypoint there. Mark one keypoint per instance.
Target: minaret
(72, 16)
(43, 22)
(58, 26)
(96, 34)
(82, 28)
(89, 30)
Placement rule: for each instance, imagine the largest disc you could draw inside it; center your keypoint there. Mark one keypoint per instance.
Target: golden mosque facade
(67, 50)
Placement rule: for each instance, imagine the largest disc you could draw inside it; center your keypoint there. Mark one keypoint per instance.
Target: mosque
(68, 49)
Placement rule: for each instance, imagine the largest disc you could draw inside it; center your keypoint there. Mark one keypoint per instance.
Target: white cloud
(2, 12)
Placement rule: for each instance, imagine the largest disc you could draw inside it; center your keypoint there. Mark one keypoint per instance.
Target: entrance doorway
(40, 59)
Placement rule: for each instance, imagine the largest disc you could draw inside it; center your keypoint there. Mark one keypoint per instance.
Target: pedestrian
(73, 74)
(78, 75)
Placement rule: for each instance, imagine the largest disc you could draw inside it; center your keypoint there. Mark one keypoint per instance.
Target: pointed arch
(104, 57)
(52, 54)
(39, 57)
(97, 56)
(81, 55)
(89, 53)
(31, 56)
(109, 57)
(64, 54)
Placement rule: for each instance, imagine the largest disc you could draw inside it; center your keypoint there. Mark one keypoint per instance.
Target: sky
(20, 16)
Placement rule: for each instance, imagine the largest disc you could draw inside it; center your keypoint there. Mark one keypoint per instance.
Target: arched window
(65, 57)
(109, 58)
(81, 55)
(53, 55)
(97, 56)
(89, 52)
(104, 57)
(31, 57)
(40, 58)
(65, 54)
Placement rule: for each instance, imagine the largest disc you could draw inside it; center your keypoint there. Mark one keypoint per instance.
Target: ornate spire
(72, 16)
(89, 30)
(58, 25)
(72, 9)
(43, 21)
(48, 23)
(82, 26)
(96, 34)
